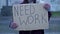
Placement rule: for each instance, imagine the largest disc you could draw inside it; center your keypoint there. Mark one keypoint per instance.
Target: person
(24, 2)
(40, 31)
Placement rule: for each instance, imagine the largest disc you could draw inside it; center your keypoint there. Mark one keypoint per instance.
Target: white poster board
(30, 17)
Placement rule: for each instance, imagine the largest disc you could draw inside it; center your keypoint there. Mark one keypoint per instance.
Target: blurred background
(6, 16)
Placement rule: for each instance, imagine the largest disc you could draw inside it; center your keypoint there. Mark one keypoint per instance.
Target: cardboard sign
(30, 16)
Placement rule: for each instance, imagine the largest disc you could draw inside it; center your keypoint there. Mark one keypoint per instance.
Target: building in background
(55, 4)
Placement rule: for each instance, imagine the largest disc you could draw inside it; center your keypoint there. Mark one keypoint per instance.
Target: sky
(2, 2)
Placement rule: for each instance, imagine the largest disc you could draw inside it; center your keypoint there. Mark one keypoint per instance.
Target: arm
(47, 7)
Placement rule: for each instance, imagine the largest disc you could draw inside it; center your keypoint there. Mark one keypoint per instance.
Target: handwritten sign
(30, 16)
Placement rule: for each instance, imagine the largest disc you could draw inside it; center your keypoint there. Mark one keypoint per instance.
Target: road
(54, 26)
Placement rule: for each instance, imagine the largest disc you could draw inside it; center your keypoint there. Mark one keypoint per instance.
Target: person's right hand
(13, 25)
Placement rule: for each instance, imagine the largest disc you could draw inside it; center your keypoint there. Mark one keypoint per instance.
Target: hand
(47, 6)
(13, 25)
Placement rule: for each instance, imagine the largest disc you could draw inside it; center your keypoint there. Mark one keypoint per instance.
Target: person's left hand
(47, 6)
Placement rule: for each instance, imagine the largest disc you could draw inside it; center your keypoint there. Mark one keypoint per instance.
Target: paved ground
(5, 21)
(54, 26)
